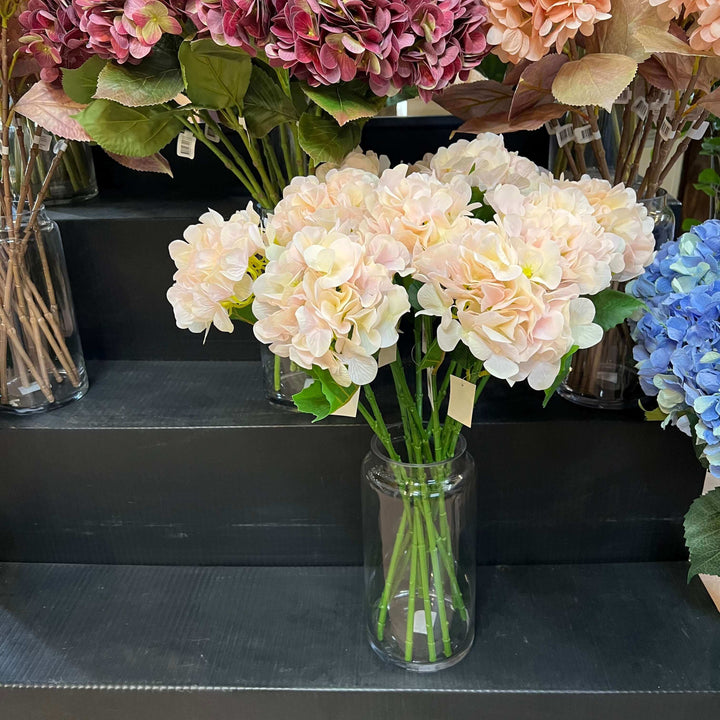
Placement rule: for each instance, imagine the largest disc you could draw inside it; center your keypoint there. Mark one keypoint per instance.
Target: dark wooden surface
(574, 640)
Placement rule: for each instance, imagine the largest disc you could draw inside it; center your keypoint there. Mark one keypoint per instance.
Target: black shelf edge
(574, 640)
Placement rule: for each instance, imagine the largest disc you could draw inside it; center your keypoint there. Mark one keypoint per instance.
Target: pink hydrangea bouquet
(490, 267)
(295, 80)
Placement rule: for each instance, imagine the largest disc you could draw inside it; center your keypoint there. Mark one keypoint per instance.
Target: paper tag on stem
(186, 145)
(386, 356)
(210, 134)
(44, 141)
(698, 133)
(419, 624)
(462, 400)
(641, 108)
(350, 408)
(565, 134)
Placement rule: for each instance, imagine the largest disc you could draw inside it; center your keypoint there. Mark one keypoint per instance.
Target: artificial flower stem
(273, 163)
(418, 355)
(251, 146)
(287, 158)
(276, 373)
(424, 582)
(412, 591)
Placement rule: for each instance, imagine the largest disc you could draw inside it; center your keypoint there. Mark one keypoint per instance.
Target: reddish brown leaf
(531, 119)
(51, 109)
(712, 102)
(152, 163)
(535, 85)
(477, 99)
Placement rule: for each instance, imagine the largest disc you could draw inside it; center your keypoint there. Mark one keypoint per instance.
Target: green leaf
(709, 177)
(689, 224)
(702, 534)
(216, 76)
(135, 132)
(413, 288)
(345, 102)
(80, 84)
(565, 367)
(299, 98)
(656, 415)
(244, 314)
(266, 105)
(324, 140)
(154, 81)
(433, 357)
(493, 68)
(310, 400)
(486, 212)
(613, 307)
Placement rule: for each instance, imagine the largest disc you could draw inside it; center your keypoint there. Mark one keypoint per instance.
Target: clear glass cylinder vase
(419, 556)
(281, 378)
(74, 178)
(663, 217)
(41, 360)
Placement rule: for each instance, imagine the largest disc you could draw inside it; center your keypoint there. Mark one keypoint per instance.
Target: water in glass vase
(419, 547)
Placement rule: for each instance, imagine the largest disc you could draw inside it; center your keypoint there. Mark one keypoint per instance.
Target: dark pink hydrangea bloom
(53, 36)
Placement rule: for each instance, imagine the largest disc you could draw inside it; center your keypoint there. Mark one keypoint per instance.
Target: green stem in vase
(425, 583)
(273, 163)
(287, 157)
(412, 592)
(81, 163)
(277, 378)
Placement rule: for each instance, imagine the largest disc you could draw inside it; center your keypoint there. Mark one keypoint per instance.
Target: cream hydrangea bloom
(214, 268)
(368, 161)
(327, 301)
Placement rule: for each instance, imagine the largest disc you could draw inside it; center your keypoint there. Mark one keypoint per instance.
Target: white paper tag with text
(641, 108)
(462, 400)
(350, 408)
(386, 356)
(698, 133)
(666, 131)
(186, 145)
(564, 134)
(44, 141)
(585, 134)
(210, 134)
(419, 624)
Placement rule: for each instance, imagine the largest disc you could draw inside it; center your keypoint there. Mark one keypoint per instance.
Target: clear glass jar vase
(41, 360)
(281, 378)
(663, 216)
(419, 556)
(74, 178)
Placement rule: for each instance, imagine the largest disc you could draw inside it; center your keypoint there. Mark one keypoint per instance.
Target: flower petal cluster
(705, 34)
(368, 161)
(528, 29)
(53, 36)
(390, 43)
(678, 339)
(216, 265)
(671, 9)
(239, 23)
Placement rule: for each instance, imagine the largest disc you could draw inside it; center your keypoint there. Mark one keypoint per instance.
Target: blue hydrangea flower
(678, 339)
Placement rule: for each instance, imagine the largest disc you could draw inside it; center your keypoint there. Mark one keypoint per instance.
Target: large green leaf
(324, 396)
(216, 77)
(565, 366)
(324, 140)
(80, 84)
(346, 102)
(702, 534)
(433, 357)
(613, 307)
(155, 80)
(135, 132)
(266, 105)
(244, 314)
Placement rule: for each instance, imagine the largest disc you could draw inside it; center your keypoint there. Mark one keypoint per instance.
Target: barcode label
(565, 134)
(699, 133)
(186, 145)
(552, 127)
(625, 97)
(641, 108)
(584, 135)
(60, 146)
(210, 134)
(666, 130)
(43, 141)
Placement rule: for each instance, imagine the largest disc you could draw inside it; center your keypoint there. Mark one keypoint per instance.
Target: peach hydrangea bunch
(343, 252)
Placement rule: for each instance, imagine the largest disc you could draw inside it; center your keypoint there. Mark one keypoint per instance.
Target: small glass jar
(282, 378)
(74, 178)
(41, 360)
(419, 549)
(663, 216)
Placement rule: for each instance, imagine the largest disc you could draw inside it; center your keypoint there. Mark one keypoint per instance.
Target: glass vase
(41, 361)
(663, 216)
(419, 556)
(281, 377)
(74, 178)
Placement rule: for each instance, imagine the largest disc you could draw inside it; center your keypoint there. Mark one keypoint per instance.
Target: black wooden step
(187, 463)
(590, 642)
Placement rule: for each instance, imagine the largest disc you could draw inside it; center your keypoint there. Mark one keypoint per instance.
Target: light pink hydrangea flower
(671, 9)
(216, 264)
(368, 161)
(705, 34)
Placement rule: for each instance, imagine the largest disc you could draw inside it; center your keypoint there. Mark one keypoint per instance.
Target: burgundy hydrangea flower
(391, 43)
(240, 23)
(53, 36)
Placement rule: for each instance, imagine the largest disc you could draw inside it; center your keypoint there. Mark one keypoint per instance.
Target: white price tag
(698, 133)
(462, 400)
(419, 623)
(585, 134)
(666, 131)
(552, 127)
(350, 408)
(242, 122)
(29, 390)
(60, 146)
(641, 108)
(386, 356)
(186, 145)
(565, 134)
(43, 140)
(210, 134)
(625, 97)
(4, 150)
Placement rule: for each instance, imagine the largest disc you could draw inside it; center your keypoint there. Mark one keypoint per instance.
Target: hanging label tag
(698, 133)
(60, 146)
(210, 134)
(585, 134)
(4, 150)
(552, 127)
(462, 400)
(666, 131)
(29, 390)
(186, 145)
(564, 134)
(242, 122)
(641, 108)
(625, 97)
(44, 141)
(419, 624)
(386, 356)
(350, 408)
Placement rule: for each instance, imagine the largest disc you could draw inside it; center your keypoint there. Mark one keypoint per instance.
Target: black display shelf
(573, 642)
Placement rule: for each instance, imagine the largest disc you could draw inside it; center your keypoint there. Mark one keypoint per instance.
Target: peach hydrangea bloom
(705, 35)
(368, 161)
(528, 29)
(671, 9)
(216, 264)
